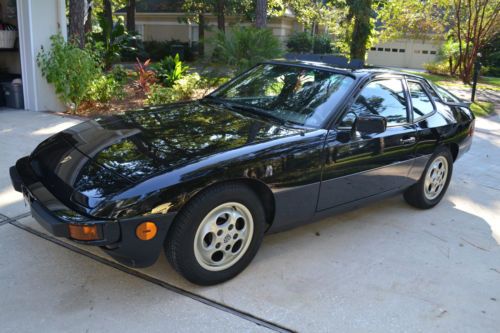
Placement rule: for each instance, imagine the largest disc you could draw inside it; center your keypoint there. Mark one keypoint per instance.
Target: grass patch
(482, 109)
(484, 83)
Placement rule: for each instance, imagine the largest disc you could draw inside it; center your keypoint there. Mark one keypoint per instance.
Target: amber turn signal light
(146, 230)
(83, 232)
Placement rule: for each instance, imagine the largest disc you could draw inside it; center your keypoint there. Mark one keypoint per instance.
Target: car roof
(367, 71)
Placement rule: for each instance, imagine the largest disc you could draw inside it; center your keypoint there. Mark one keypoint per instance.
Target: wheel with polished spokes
(434, 182)
(217, 234)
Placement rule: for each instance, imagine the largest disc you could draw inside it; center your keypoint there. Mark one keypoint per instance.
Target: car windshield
(304, 96)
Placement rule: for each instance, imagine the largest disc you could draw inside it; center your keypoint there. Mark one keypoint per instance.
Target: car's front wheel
(434, 182)
(217, 234)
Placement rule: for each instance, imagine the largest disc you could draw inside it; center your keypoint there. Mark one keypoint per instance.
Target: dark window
(420, 101)
(387, 49)
(373, 48)
(425, 52)
(401, 50)
(380, 49)
(385, 98)
(417, 51)
(394, 50)
(433, 52)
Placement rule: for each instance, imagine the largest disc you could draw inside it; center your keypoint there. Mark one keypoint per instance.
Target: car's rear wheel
(216, 234)
(434, 182)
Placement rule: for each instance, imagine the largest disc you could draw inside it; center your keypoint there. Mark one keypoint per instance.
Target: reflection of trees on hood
(176, 136)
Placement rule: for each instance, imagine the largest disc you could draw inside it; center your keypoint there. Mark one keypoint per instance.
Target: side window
(446, 95)
(420, 101)
(385, 98)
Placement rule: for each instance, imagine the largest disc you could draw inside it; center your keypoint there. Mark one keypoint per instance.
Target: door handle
(407, 141)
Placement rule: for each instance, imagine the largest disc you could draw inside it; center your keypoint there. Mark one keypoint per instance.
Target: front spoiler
(118, 236)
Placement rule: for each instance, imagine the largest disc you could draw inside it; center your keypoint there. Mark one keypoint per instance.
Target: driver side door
(359, 165)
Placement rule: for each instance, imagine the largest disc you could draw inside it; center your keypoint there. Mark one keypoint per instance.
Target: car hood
(115, 152)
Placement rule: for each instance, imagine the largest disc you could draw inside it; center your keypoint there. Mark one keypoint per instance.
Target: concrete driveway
(383, 268)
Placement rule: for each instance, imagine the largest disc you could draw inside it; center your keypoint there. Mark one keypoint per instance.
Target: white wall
(38, 20)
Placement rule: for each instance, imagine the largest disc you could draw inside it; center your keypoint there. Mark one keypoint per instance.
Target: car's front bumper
(117, 237)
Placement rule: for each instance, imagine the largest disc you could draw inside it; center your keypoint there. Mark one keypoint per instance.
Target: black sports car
(284, 143)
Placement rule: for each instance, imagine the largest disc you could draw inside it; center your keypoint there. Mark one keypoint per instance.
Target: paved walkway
(383, 268)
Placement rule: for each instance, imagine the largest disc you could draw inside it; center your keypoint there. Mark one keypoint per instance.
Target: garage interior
(11, 90)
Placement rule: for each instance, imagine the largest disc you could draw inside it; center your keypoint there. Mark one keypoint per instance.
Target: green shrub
(299, 42)
(119, 73)
(104, 88)
(159, 94)
(440, 68)
(169, 70)
(490, 71)
(69, 69)
(246, 46)
(322, 44)
(183, 89)
(157, 50)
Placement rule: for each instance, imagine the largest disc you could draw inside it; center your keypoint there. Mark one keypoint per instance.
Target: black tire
(416, 194)
(180, 242)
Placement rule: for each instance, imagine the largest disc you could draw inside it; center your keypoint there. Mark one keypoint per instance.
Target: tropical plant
(111, 41)
(244, 47)
(169, 70)
(145, 76)
(69, 69)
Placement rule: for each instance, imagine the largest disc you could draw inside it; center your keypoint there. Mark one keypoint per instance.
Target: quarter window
(385, 98)
(420, 101)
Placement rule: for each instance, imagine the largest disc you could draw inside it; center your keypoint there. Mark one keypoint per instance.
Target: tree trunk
(88, 22)
(221, 20)
(108, 14)
(261, 14)
(201, 35)
(76, 24)
(361, 31)
(131, 16)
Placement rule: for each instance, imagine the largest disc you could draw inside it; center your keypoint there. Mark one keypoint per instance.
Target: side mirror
(370, 124)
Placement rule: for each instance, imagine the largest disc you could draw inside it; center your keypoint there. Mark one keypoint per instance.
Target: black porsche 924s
(284, 143)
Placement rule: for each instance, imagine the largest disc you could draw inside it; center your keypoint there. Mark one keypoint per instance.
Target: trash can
(2, 96)
(13, 95)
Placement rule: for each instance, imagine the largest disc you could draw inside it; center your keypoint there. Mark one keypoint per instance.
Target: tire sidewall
(447, 155)
(187, 262)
